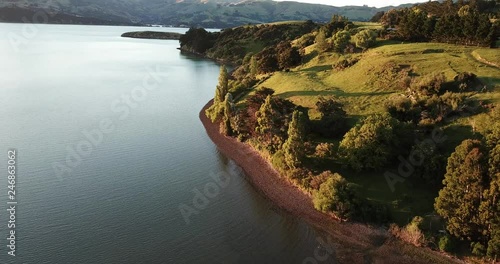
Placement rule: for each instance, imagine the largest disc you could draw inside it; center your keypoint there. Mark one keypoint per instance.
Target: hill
(376, 124)
(205, 13)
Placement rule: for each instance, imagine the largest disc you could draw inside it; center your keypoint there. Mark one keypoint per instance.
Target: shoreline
(353, 242)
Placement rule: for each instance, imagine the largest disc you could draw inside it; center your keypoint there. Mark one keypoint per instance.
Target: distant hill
(205, 13)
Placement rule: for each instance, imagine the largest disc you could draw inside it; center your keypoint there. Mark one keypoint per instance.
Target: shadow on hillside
(318, 68)
(307, 58)
(336, 92)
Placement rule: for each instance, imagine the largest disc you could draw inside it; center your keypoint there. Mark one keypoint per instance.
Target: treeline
(464, 22)
(233, 44)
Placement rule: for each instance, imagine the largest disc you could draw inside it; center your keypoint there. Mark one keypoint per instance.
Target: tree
(293, 148)
(288, 56)
(340, 40)
(321, 42)
(335, 195)
(333, 117)
(371, 144)
(365, 39)
(222, 87)
(226, 120)
(254, 66)
(216, 110)
(267, 60)
(460, 199)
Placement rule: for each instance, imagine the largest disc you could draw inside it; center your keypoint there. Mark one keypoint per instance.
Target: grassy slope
(363, 91)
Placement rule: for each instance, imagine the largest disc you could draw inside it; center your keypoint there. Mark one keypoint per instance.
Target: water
(118, 200)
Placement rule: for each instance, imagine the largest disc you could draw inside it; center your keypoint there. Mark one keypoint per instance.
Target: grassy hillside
(364, 89)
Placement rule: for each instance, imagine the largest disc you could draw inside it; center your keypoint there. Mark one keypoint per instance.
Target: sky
(377, 3)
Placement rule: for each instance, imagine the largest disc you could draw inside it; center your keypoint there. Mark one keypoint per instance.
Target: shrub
(478, 249)
(335, 195)
(446, 244)
(345, 63)
(317, 180)
(278, 161)
(324, 150)
(428, 85)
(411, 233)
(340, 40)
(365, 39)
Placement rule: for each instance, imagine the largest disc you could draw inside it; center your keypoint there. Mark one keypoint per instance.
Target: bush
(335, 195)
(340, 40)
(411, 233)
(278, 161)
(324, 150)
(345, 63)
(428, 85)
(446, 244)
(365, 39)
(478, 249)
(317, 180)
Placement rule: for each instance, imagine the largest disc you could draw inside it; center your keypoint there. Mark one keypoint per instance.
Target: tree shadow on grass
(318, 68)
(335, 92)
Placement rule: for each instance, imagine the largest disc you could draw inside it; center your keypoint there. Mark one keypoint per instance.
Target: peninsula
(152, 35)
(373, 125)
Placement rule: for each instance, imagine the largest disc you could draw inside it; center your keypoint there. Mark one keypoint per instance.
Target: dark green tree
(222, 87)
(288, 56)
(216, 110)
(226, 128)
(332, 117)
(293, 148)
(461, 199)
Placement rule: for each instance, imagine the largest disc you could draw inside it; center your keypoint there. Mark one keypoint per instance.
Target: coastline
(353, 242)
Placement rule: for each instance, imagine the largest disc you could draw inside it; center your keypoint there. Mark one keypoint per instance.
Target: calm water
(118, 200)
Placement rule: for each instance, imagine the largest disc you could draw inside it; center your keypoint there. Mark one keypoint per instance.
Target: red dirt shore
(353, 242)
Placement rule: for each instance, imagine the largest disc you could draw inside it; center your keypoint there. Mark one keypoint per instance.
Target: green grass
(363, 92)
(360, 87)
(368, 25)
(490, 55)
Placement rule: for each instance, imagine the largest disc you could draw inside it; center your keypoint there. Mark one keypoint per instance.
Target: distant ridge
(186, 13)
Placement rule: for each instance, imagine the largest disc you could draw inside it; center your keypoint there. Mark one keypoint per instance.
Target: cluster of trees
(461, 23)
(374, 142)
(337, 36)
(275, 58)
(430, 99)
(197, 40)
(233, 44)
(469, 199)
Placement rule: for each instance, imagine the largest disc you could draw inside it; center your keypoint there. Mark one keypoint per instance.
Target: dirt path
(353, 242)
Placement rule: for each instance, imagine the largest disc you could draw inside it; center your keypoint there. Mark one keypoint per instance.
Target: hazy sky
(377, 3)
